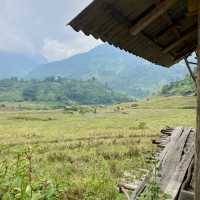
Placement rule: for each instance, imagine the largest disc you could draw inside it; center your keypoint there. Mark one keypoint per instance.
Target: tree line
(58, 89)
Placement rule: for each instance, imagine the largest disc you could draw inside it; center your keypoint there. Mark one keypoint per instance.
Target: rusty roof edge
(112, 44)
(70, 23)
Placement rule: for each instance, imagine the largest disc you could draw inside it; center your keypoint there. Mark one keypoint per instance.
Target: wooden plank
(176, 165)
(174, 152)
(141, 188)
(180, 41)
(185, 195)
(150, 17)
(123, 190)
(127, 186)
(177, 178)
(176, 134)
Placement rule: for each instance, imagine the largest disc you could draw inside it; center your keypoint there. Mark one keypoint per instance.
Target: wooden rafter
(178, 42)
(150, 17)
(163, 32)
(173, 27)
(192, 7)
(119, 17)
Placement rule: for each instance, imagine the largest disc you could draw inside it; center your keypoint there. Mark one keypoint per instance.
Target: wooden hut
(161, 31)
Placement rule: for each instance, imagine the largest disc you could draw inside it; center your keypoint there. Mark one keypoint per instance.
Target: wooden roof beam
(172, 26)
(178, 42)
(192, 7)
(160, 9)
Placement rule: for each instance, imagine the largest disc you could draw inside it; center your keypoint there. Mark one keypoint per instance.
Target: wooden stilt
(190, 71)
(197, 142)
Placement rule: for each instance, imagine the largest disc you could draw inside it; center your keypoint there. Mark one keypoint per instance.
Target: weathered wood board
(176, 164)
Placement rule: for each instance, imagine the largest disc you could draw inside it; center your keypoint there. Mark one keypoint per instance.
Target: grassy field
(88, 154)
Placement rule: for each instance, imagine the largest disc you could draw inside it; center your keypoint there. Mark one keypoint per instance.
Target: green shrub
(18, 182)
(142, 125)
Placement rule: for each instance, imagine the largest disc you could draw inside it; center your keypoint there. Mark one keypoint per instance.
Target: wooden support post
(197, 139)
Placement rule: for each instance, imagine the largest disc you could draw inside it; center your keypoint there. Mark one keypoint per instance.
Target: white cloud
(16, 42)
(55, 50)
(35, 26)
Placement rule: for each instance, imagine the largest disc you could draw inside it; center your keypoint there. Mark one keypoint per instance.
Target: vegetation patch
(30, 118)
(185, 87)
(18, 180)
(60, 91)
(83, 156)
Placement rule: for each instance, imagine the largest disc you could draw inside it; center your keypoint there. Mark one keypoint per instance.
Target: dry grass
(65, 145)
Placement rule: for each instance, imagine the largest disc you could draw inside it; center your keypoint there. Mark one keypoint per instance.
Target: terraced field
(88, 154)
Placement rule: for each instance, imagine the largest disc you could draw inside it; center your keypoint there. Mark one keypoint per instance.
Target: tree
(30, 93)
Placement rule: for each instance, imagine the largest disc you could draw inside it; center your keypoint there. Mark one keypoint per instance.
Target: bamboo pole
(197, 142)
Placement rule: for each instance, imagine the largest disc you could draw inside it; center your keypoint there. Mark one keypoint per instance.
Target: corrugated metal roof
(111, 20)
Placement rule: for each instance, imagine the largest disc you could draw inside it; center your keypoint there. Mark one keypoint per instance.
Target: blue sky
(38, 27)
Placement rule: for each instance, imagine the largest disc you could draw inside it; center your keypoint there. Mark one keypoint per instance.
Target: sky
(38, 27)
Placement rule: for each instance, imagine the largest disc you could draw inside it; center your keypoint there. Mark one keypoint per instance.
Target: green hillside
(117, 69)
(61, 91)
(183, 87)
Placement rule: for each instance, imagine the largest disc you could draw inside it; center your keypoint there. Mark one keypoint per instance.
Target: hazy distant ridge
(116, 69)
(17, 65)
(119, 70)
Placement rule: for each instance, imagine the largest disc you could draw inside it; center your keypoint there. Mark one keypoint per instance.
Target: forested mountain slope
(119, 70)
(183, 87)
(60, 90)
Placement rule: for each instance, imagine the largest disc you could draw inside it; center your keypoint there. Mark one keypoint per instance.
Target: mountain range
(116, 69)
(18, 65)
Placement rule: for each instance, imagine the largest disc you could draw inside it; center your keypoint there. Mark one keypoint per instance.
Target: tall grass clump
(154, 191)
(99, 185)
(18, 181)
